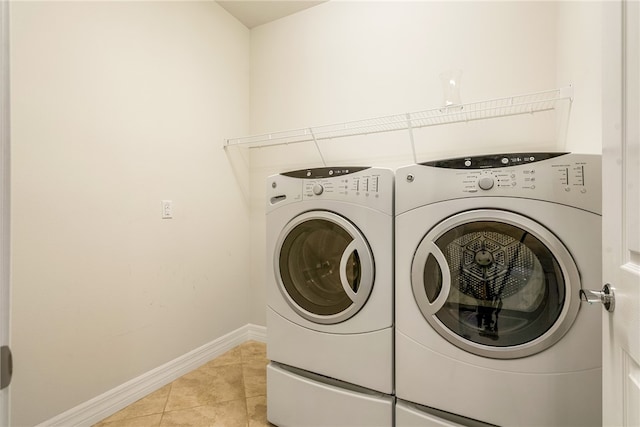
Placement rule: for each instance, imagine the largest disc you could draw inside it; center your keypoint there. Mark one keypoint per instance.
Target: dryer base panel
(494, 396)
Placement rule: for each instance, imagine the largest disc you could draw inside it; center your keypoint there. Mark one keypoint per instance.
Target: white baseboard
(256, 333)
(100, 407)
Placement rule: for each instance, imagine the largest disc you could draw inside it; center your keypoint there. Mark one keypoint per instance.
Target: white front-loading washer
(330, 291)
(491, 254)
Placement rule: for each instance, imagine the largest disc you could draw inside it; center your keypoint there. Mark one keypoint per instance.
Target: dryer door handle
(417, 278)
(606, 296)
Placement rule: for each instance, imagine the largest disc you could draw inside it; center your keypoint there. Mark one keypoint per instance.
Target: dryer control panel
(366, 186)
(566, 178)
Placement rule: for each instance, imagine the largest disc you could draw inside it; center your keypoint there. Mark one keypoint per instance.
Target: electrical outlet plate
(167, 209)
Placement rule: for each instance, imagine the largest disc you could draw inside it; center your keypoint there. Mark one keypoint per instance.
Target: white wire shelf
(500, 107)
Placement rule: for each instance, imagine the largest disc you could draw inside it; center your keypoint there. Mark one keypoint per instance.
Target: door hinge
(6, 366)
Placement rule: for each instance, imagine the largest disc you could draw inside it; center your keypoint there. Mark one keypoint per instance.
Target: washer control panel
(365, 185)
(360, 185)
(567, 178)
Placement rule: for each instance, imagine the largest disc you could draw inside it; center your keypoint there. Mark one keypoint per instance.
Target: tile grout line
(166, 402)
(244, 385)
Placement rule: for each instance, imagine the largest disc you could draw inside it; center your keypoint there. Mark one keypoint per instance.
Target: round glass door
(495, 284)
(324, 267)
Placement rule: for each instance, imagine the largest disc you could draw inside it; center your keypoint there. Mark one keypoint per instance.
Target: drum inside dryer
(488, 265)
(506, 287)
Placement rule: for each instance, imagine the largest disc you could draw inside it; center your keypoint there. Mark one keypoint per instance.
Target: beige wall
(115, 107)
(580, 63)
(346, 60)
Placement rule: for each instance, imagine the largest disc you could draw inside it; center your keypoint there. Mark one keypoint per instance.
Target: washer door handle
(417, 274)
(350, 249)
(6, 366)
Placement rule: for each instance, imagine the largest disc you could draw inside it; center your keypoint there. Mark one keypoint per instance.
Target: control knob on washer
(318, 189)
(486, 183)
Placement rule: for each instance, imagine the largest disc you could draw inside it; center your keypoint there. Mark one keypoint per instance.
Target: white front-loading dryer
(491, 255)
(330, 281)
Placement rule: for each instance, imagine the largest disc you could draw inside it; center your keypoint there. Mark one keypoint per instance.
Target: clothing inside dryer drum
(310, 266)
(506, 286)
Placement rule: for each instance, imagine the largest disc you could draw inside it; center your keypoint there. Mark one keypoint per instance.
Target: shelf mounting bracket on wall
(315, 141)
(413, 144)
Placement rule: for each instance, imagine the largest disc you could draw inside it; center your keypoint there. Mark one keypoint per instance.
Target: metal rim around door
(495, 283)
(324, 267)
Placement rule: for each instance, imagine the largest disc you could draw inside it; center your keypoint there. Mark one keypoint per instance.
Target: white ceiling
(257, 12)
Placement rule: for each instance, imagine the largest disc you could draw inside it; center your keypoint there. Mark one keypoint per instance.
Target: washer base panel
(295, 400)
(364, 359)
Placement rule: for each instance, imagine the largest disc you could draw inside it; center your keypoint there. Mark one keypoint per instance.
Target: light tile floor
(228, 391)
